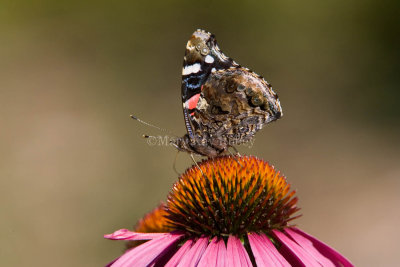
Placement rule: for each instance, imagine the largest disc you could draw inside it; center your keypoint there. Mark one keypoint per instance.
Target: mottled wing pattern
(224, 104)
(239, 103)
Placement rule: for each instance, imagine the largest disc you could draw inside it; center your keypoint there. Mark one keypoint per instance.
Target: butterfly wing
(202, 57)
(239, 103)
(224, 104)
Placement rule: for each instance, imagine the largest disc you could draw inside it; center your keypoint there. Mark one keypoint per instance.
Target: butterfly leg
(235, 156)
(236, 151)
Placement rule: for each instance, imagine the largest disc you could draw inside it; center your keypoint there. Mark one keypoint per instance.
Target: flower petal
(296, 255)
(221, 258)
(236, 253)
(192, 257)
(179, 254)
(308, 246)
(125, 234)
(146, 253)
(214, 255)
(265, 252)
(335, 257)
(270, 247)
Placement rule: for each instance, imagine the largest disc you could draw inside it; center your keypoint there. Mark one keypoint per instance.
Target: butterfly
(224, 104)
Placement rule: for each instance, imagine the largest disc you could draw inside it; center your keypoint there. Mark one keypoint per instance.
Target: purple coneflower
(235, 212)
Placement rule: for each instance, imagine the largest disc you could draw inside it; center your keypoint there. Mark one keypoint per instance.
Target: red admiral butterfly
(224, 104)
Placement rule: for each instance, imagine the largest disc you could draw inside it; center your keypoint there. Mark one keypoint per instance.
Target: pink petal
(335, 257)
(308, 246)
(236, 253)
(125, 234)
(146, 253)
(269, 247)
(214, 255)
(192, 257)
(222, 253)
(294, 251)
(179, 254)
(265, 252)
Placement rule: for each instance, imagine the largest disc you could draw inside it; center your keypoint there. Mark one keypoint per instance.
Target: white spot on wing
(213, 70)
(209, 59)
(195, 68)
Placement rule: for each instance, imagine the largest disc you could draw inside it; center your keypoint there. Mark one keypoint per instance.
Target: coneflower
(235, 211)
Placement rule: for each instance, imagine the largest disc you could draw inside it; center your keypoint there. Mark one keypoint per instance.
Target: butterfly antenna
(174, 165)
(151, 125)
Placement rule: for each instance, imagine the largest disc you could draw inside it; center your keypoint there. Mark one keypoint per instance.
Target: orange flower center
(230, 195)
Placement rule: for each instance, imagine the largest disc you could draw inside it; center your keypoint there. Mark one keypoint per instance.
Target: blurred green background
(73, 165)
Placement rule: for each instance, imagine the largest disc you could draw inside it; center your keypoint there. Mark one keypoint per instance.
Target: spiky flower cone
(227, 196)
(226, 211)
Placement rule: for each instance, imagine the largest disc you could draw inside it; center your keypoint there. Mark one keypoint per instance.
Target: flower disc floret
(231, 196)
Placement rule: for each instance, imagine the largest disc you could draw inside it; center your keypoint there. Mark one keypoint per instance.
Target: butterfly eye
(198, 47)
